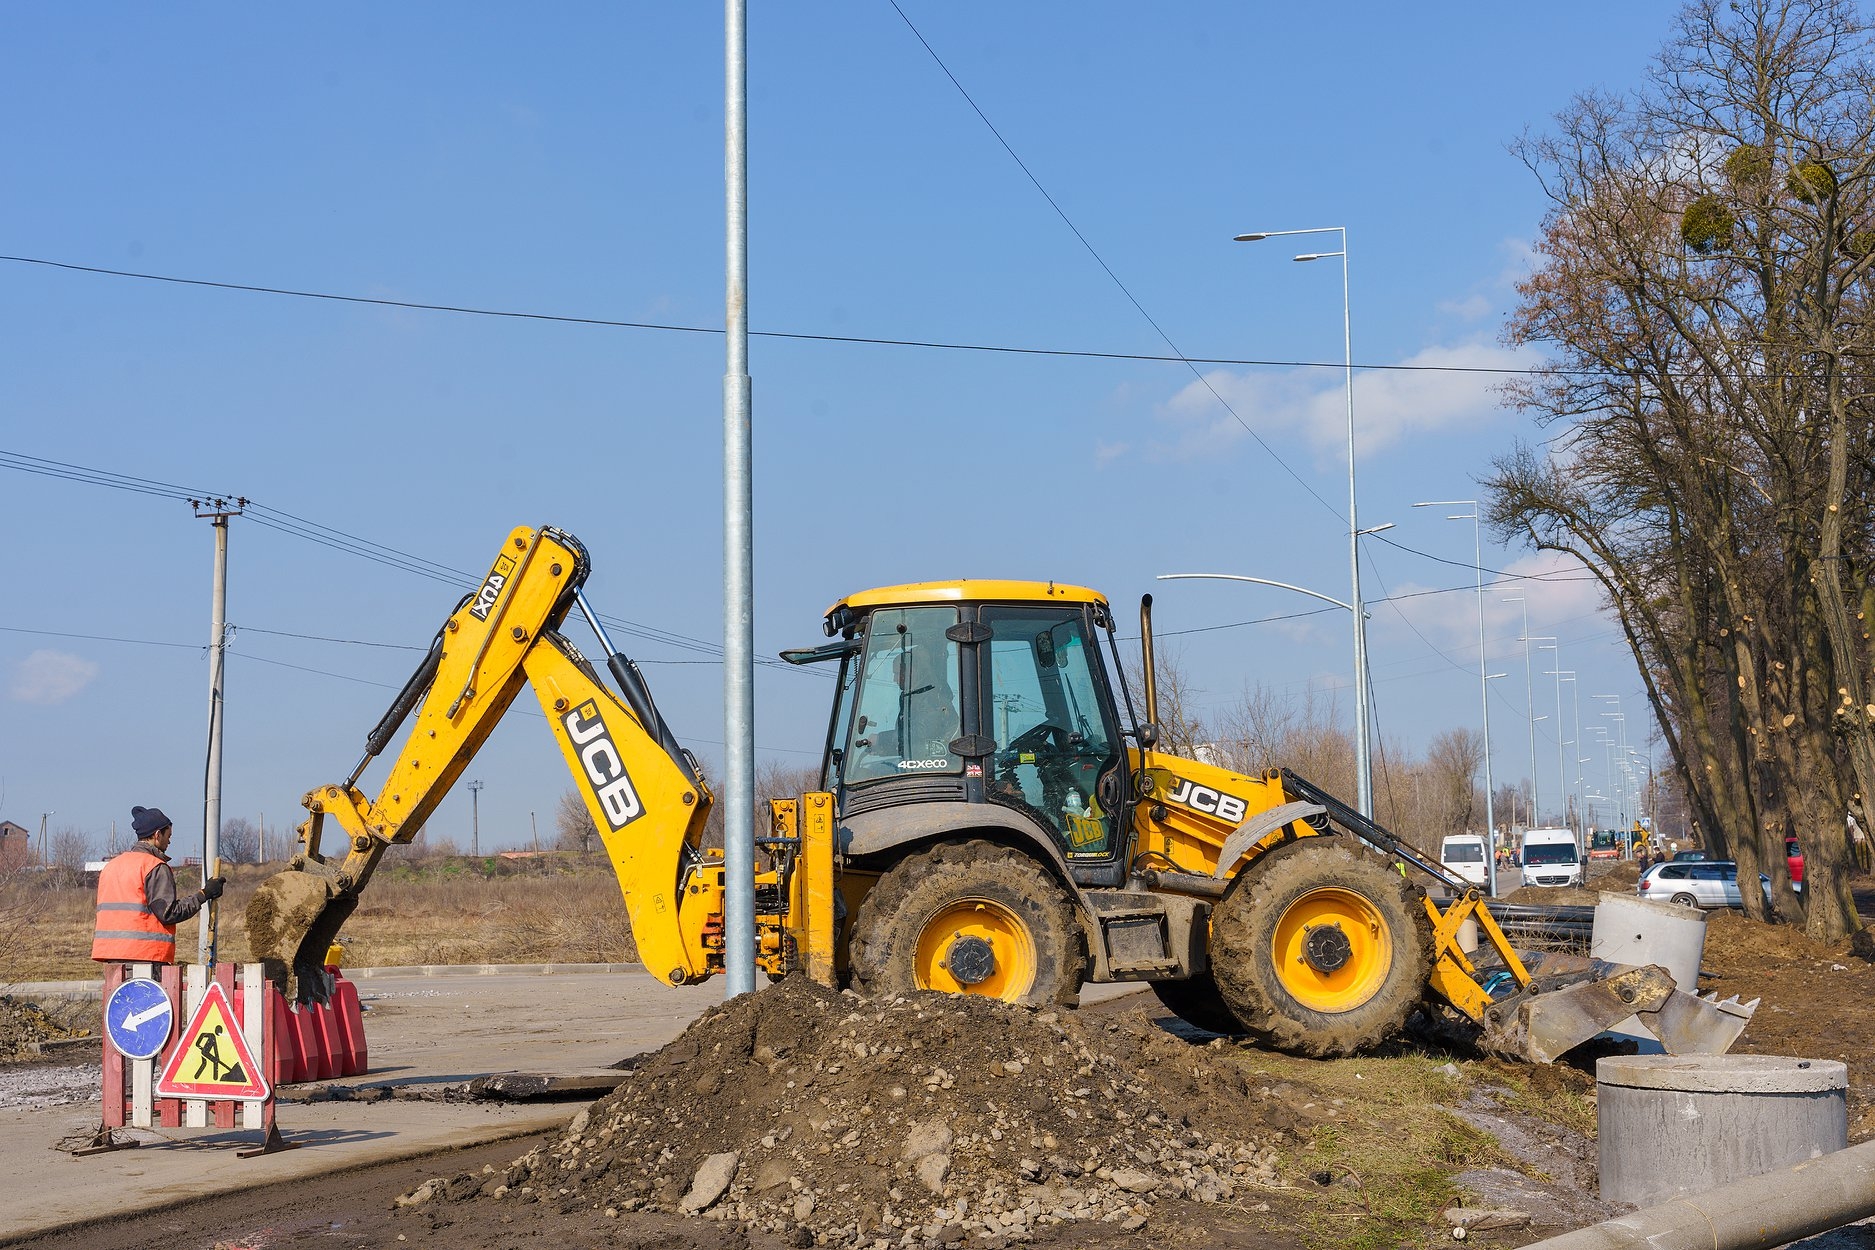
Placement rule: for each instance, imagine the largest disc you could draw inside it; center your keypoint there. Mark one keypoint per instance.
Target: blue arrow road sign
(138, 1018)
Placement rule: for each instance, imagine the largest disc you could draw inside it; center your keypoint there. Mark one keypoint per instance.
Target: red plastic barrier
(351, 1029)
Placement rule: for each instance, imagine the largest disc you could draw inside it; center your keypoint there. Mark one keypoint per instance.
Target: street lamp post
(1363, 748)
(1484, 681)
(1529, 708)
(1364, 773)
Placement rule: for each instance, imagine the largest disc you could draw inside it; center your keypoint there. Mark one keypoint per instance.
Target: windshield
(907, 701)
(1464, 852)
(1550, 853)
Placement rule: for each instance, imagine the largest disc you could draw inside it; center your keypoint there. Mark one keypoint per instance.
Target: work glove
(213, 887)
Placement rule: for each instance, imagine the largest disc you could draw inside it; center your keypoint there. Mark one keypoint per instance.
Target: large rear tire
(1321, 948)
(1198, 1003)
(969, 918)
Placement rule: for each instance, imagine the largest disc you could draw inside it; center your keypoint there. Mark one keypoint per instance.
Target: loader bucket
(291, 922)
(1571, 1000)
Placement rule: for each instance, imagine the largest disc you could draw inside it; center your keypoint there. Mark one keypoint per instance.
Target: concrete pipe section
(1770, 1210)
(1684, 1124)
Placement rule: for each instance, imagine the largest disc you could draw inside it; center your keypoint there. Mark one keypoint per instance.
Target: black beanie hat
(148, 821)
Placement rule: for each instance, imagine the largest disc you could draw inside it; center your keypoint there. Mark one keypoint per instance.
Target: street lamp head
(1255, 236)
(1377, 529)
(1318, 255)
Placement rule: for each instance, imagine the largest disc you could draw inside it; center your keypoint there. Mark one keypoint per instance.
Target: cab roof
(974, 590)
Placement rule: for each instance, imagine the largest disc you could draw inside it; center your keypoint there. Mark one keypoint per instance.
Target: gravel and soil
(801, 1116)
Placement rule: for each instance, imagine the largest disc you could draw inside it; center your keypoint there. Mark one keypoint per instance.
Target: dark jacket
(159, 889)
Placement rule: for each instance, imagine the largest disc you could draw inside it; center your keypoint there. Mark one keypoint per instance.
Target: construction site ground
(805, 1117)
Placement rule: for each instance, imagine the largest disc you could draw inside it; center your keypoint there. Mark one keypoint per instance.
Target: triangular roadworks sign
(211, 1058)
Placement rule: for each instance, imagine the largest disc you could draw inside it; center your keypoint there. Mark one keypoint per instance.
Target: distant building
(15, 849)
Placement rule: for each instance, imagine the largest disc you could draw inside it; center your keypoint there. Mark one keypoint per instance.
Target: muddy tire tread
(890, 918)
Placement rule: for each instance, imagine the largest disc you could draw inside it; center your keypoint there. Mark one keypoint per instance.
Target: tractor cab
(992, 694)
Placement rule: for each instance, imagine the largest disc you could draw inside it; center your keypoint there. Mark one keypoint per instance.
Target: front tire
(969, 918)
(1321, 948)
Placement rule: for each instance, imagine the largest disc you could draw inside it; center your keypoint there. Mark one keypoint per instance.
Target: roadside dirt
(25, 1025)
(805, 1113)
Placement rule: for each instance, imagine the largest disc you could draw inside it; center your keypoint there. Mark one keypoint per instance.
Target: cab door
(1057, 747)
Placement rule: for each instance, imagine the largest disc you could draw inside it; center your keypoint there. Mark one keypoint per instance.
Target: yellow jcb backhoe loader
(994, 819)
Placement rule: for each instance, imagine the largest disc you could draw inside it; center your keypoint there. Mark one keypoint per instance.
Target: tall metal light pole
(1484, 680)
(216, 511)
(1364, 766)
(738, 527)
(1575, 742)
(475, 819)
(1529, 706)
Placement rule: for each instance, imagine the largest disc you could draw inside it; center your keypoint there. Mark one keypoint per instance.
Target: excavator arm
(646, 795)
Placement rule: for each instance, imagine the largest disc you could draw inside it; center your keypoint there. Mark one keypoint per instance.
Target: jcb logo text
(1205, 799)
(605, 768)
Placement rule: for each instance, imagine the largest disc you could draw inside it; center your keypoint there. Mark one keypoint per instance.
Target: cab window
(906, 700)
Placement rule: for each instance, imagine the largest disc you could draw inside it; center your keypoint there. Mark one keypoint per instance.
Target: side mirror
(1148, 735)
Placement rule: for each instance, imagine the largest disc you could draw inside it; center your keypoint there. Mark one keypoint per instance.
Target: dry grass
(1378, 1171)
(560, 909)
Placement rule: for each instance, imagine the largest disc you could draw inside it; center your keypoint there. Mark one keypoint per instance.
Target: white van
(1463, 855)
(1550, 857)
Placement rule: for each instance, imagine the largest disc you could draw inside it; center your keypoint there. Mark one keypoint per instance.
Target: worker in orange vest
(138, 910)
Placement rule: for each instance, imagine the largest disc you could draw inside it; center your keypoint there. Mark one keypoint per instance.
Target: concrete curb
(92, 989)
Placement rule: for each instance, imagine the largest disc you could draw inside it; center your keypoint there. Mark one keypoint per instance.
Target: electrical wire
(800, 337)
(1107, 269)
(349, 544)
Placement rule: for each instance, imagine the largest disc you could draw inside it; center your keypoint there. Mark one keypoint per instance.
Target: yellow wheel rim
(977, 946)
(1332, 950)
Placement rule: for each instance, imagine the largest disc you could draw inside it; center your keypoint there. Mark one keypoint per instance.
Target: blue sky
(568, 160)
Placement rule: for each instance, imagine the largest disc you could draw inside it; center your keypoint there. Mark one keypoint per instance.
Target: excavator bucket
(1571, 999)
(291, 923)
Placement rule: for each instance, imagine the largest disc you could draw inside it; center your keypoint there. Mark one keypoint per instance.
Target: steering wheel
(1036, 737)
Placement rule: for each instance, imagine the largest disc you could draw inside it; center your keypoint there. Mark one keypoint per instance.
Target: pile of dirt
(24, 1025)
(923, 1120)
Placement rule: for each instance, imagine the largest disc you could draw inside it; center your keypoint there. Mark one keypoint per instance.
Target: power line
(800, 337)
(1104, 266)
(138, 642)
(339, 540)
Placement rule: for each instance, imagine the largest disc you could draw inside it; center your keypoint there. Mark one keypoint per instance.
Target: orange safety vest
(126, 928)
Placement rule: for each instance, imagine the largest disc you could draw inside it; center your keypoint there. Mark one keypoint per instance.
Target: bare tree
(573, 825)
(1704, 288)
(1452, 761)
(240, 840)
(69, 849)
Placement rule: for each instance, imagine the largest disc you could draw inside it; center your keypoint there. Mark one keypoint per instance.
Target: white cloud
(1106, 453)
(1471, 308)
(1390, 406)
(1561, 596)
(51, 677)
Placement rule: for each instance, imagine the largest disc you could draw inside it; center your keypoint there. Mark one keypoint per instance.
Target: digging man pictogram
(208, 1045)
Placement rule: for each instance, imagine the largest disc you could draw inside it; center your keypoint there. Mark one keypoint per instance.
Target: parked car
(1711, 883)
(1689, 857)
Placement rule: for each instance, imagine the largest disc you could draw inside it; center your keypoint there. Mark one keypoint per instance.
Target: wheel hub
(970, 959)
(1327, 948)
